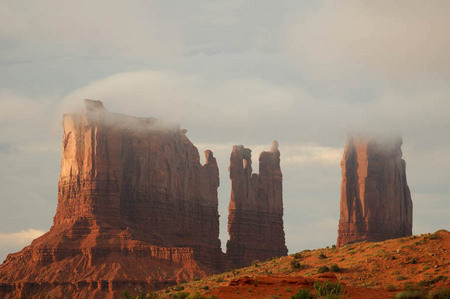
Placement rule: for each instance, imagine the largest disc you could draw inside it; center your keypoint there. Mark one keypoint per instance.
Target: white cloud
(90, 27)
(15, 108)
(249, 110)
(25, 120)
(291, 154)
(13, 242)
(22, 238)
(312, 153)
(399, 39)
(196, 102)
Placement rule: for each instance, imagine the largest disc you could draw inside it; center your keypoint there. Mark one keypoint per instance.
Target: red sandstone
(375, 199)
(255, 219)
(135, 209)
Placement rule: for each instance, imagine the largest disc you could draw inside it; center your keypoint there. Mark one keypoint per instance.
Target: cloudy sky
(230, 72)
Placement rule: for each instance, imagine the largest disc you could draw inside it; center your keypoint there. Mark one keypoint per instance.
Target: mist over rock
(135, 209)
(255, 219)
(375, 202)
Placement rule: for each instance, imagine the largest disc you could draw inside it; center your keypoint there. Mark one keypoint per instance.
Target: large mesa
(135, 209)
(375, 199)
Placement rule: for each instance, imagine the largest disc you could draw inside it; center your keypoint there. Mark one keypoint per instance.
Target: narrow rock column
(375, 199)
(255, 220)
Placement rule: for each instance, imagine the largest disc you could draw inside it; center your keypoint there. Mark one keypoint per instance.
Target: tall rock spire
(255, 220)
(375, 199)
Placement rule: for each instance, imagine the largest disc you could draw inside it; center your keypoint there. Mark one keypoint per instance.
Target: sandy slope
(368, 270)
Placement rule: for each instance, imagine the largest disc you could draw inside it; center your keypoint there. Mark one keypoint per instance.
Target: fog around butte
(302, 73)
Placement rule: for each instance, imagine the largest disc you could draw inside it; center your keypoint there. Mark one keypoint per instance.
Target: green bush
(255, 283)
(390, 288)
(434, 236)
(302, 294)
(322, 256)
(335, 268)
(127, 295)
(409, 286)
(430, 282)
(197, 295)
(297, 255)
(409, 295)
(255, 263)
(181, 295)
(328, 288)
(323, 269)
(142, 295)
(296, 265)
(178, 288)
(439, 294)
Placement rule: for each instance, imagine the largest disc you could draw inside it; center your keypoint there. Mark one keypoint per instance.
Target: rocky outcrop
(255, 220)
(135, 209)
(375, 199)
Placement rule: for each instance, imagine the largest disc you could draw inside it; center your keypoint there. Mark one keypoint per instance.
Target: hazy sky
(230, 72)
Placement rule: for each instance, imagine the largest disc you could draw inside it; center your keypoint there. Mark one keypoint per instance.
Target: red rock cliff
(255, 220)
(375, 199)
(135, 209)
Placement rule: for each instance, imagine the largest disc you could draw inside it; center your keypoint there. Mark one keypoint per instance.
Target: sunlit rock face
(375, 199)
(255, 220)
(135, 209)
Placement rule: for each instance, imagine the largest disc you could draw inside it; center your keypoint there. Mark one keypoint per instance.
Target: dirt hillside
(415, 264)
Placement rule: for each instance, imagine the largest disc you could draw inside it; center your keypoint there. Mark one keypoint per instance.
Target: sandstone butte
(136, 211)
(255, 212)
(375, 198)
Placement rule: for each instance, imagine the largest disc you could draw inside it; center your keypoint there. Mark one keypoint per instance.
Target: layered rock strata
(375, 199)
(136, 209)
(255, 219)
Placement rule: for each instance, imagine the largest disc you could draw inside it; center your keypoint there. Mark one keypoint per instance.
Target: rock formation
(135, 209)
(255, 220)
(375, 199)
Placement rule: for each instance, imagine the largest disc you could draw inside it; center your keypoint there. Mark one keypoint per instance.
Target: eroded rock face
(375, 199)
(255, 220)
(135, 209)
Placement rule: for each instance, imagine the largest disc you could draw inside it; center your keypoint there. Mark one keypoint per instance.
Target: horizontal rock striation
(375, 199)
(255, 220)
(135, 208)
